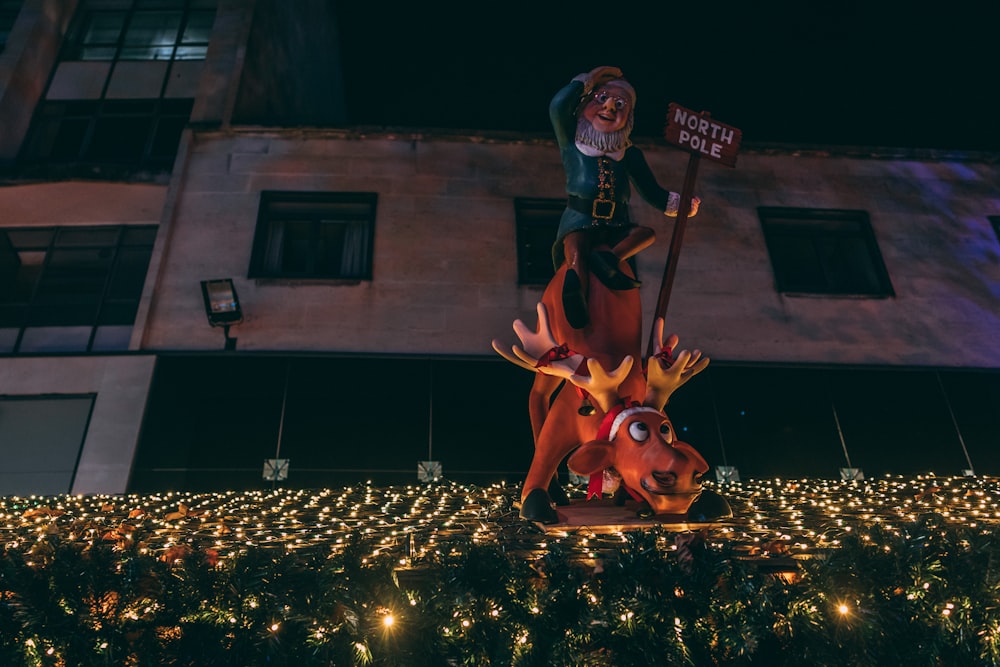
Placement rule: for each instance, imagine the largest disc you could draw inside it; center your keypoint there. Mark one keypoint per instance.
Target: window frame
(833, 227)
(32, 314)
(315, 208)
(535, 218)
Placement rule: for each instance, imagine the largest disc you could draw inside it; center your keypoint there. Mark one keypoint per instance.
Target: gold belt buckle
(601, 205)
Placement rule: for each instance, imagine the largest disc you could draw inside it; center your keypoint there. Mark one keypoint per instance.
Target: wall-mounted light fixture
(222, 306)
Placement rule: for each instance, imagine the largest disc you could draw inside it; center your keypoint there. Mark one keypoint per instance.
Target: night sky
(842, 72)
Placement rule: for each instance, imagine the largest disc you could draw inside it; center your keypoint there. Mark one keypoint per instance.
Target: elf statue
(593, 117)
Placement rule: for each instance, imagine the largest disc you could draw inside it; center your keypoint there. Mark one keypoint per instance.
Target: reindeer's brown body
(614, 333)
(628, 431)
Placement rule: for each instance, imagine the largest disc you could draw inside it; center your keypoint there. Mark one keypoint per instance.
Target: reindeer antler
(663, 375)
(537, 344)
(542, 354)
(602, 385)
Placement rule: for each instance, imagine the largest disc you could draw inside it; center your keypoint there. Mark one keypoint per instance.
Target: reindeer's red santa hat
(608, 430)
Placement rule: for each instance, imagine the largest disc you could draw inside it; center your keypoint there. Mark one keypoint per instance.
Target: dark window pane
(129, 107)
(70, 138)
(296, 247)
(537, 223)
(60, 129)
(98, 53)
(797, 264)
(824, 251)
(129, 273)
(330, 248)
(11, 315)
(151, 35)
(191, 52)
(772, 421)
(198, 28)
(29, 238)
(70, 236)
(20, 284)
(62, 314)
(146, 53)
(10, 265)
(176, 107)
(167, 137)
(74, 277)
(194, 41)
(103, 27)
(139, 236)
(851, 266)
(119, 139)
(100, 35)
(9, 9)
(118, 312)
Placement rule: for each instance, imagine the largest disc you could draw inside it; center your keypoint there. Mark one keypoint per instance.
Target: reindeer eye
(638, 431)
(666, 432)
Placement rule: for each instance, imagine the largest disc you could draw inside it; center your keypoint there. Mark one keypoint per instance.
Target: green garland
(925, 592)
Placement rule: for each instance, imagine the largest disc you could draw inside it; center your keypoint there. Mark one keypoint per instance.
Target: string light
(779, 526)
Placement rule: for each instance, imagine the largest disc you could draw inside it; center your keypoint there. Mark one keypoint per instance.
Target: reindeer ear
(591, 457)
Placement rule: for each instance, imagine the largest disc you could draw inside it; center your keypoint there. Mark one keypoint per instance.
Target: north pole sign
(700, 134)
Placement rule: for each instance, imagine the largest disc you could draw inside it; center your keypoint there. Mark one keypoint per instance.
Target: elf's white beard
(605, 142)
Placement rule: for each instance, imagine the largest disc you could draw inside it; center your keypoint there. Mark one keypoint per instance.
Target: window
(537, 223)
(103, 135)
(70, 289)
(9, 9)
(305, 235)
(41, 438)
(176, 30)
(123, 90)
(824, 251)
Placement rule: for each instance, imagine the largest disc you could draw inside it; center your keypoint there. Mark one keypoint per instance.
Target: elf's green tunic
(583, 174)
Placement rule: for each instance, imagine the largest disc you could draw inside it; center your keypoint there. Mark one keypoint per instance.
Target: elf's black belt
(600, 209)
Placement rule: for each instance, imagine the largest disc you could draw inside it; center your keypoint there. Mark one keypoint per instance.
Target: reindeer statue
(635, 439)
(590, 319)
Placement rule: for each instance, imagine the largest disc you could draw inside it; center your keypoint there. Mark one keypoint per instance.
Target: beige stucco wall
(445, 261)
(930, 221)
(81, 203)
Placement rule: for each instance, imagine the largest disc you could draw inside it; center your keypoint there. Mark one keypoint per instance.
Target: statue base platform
(605, 516)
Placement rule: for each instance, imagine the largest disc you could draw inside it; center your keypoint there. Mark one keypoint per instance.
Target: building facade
(849, 298)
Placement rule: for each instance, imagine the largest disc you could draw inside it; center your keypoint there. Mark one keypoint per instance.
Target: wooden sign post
(701, 136)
